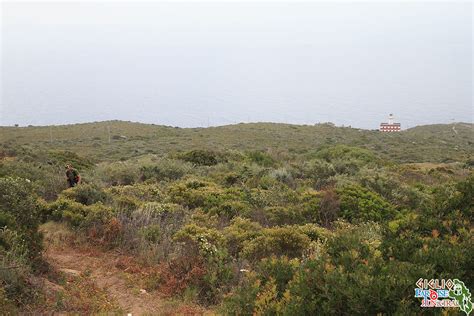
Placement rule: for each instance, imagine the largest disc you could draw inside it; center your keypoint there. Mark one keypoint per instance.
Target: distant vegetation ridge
(112, 140)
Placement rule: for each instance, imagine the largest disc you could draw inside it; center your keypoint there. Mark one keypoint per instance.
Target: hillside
(246, 219)
(431, 143)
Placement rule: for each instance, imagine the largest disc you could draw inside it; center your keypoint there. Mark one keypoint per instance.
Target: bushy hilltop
(250, 218)
(430, 143)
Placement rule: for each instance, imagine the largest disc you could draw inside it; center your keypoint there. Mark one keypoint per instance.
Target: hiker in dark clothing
(72, 176)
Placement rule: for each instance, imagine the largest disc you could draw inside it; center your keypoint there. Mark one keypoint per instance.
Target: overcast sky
(199, 64)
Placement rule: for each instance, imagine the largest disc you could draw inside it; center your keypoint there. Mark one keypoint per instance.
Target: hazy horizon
(199, 64)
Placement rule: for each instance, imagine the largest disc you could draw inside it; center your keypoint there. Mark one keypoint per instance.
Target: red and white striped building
(391, 126)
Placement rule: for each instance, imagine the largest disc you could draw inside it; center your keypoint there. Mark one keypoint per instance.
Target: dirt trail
(101, 270)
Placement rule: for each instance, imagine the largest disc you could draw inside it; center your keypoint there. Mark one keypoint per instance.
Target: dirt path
(101, 271)
(101, 281)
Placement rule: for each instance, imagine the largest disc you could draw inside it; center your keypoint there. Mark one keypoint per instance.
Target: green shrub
(205, 239)
(218, 277)
(151, 233)
(241, 301)
(201, 157)
(63, 157)
(347, 167)
(148, 230)
(309, 202)
(279, 215)
(118, 173)
(280, 270)
(20, 241)
(139, 192)
(86, 194)
(261, 158)
(208, 196)
(230, 209)
(458, 196)
(438, 234)
(314, 232)
(192, 193)
(361, 204)
(350, 273)
(276, 241)
(238, 232)
(207, 244)
(21, 169)
(47, 180)
(19, 209)
(232, 179)
(79, 215)
(251, 174)
(319, 171)
(342, 279)
(283, 175)
(126, 204)
(97, 214)
(345, 159)
(54, 210)
(344, 152)
(15, 270)
(165, 169)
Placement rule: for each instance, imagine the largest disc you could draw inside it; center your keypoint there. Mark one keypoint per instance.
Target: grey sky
(194, 64)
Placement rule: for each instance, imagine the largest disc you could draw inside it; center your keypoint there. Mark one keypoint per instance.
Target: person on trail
(72, 176)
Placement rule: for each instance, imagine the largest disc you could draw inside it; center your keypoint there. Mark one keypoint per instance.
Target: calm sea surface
(202, 64)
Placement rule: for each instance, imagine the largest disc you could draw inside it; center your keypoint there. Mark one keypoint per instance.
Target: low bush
(148, 230)
(209, 196)
(344, 152)
(138, 192)
(318, 171)
(63, 157)
(239, 232)
(20, 240)
(261, 158)
(20, 212)
(165, 169)
(47, 180)
(278, 241)
(360, 204)
(230, 209)
(278, 270)
(201, 157)
(284, 176)
(207, 245)
(329, 208)
(346, 267)
(117, 173)
(86, 194)
(279, 215)
(314, 232)
(241, 301)
(79, 215)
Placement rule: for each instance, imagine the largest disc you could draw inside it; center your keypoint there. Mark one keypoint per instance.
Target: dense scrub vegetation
(273, 226)
(430, 143)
